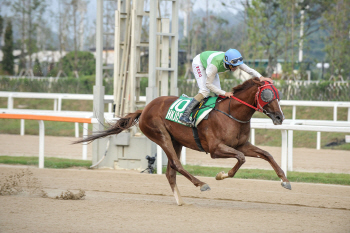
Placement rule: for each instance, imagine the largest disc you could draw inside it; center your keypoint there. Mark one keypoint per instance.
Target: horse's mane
(246, 85)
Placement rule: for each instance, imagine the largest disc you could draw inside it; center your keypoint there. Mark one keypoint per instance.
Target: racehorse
(224, 134)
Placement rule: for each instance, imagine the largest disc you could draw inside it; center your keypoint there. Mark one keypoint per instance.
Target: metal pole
(301, 35)
(99, 42)
(151, 90)
(98, 146)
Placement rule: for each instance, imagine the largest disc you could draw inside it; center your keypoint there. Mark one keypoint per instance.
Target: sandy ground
(128, 201)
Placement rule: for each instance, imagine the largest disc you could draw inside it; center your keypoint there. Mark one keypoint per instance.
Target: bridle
(261, 100)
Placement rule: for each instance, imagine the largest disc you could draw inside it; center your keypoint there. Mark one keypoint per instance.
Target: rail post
(59, 104)
(335, 112)
(85, 134)
(294, 112)
(76, 129)
(22, 127)
(183, 155)
(252, 136)
(284, 153)
(318, 143)
(41, 143)
(10, 102)
(290, 149)
(159, 160)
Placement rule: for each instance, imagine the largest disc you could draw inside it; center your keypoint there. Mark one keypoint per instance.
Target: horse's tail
(122, 124)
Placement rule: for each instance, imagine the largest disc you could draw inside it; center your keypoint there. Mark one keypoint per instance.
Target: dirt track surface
(128, 201)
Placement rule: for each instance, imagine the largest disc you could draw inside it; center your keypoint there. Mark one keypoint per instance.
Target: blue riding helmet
(233, 57)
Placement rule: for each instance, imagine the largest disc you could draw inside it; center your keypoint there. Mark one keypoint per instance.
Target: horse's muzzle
(277, 118)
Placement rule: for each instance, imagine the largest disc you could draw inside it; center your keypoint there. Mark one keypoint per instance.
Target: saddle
(198, 113)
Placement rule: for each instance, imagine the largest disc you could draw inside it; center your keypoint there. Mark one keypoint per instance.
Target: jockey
(206, 67)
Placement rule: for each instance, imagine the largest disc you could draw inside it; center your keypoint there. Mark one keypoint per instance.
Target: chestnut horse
(224, 134)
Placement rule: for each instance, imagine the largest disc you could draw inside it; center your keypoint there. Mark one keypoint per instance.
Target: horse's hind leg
(156, 131)
(171, 175)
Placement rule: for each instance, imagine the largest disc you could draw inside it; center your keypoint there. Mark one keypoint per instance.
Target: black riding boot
(185, 117)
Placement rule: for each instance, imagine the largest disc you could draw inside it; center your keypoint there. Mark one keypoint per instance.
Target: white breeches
(201, 76)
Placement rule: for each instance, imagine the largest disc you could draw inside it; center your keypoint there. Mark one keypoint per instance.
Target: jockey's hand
(265, 79)
(228, 94)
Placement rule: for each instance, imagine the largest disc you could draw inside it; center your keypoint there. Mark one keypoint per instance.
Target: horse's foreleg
(224, 151)
(252, 151)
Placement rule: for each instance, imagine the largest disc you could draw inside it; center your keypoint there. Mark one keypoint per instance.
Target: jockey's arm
(211, 72)
(254, 73)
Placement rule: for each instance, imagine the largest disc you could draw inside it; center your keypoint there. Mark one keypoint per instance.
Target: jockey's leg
(201, 77)
(185, 117)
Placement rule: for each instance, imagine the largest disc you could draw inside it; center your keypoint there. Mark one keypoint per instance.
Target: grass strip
(49, 162)
(259, 174)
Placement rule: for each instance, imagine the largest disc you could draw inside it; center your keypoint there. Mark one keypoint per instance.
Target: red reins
(245, 103)
(260, 109)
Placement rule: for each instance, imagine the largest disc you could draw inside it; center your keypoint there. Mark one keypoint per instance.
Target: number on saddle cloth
(199, 113)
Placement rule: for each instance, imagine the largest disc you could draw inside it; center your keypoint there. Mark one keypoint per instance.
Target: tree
(337, 23)
(272, 25)
(8, 59)
(37, 68)
(266, 21)
(85, 61)
(1, 27)
(29, 13)
(62, 32)
(77, 10)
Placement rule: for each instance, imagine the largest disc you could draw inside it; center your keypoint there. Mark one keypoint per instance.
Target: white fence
(334, 104)
(58, 98)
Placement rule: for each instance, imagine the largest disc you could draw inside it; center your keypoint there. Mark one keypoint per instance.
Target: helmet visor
(234, 61)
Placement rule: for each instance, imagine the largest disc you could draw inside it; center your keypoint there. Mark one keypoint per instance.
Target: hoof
(220, 176)
(286, 185)
(205, 187)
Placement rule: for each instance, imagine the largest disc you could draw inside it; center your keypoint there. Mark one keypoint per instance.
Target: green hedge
(323, 91)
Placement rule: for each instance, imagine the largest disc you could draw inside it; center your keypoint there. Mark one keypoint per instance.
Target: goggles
(233, 61)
